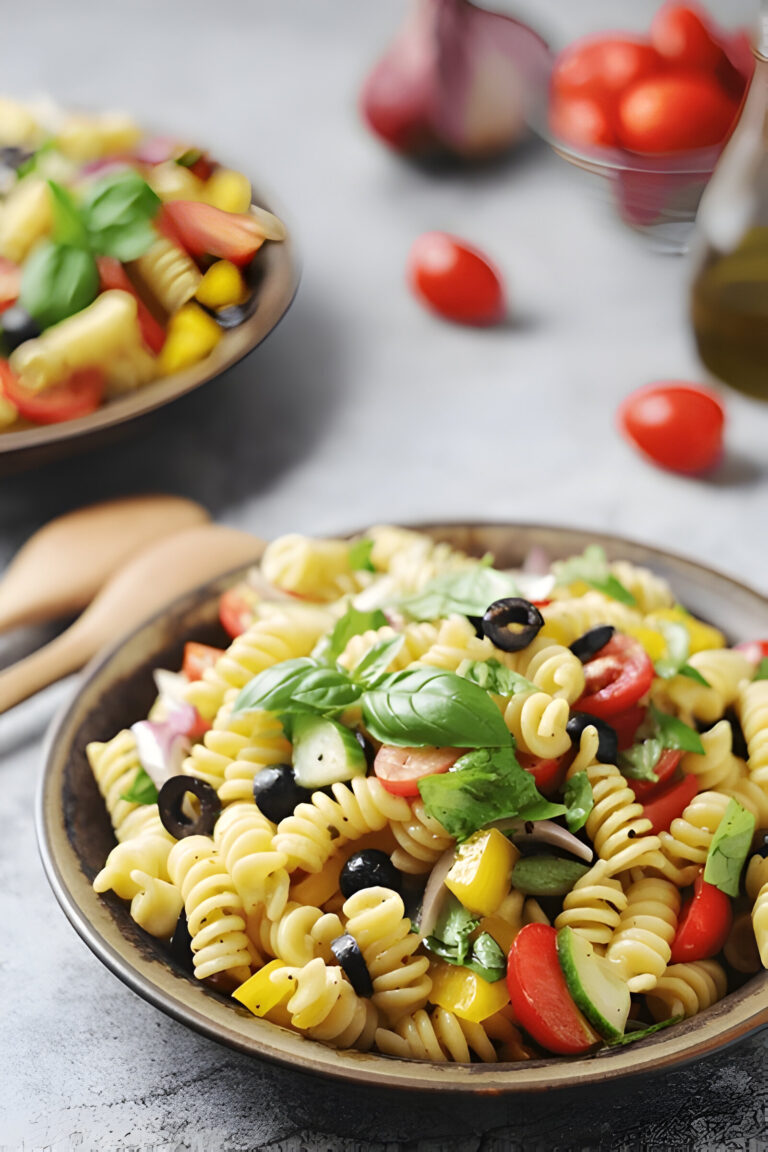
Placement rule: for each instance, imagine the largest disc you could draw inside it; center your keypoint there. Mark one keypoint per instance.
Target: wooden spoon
(62, 566)
(149, 583)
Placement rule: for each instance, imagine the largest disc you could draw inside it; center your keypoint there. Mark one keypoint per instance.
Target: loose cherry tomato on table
(674, 113)
(704, 923)
(77, 396)
(207, 231)
(400, 769)
(455, 280)
(665, 769)
(670, 803)
(539, 995)
(676, 425)
(198, 657)
(683, 35)
(10, 283)
(548, 775)
(615, 678)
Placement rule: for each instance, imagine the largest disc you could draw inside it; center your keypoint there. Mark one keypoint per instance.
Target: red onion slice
(545, 832)
(435, 893)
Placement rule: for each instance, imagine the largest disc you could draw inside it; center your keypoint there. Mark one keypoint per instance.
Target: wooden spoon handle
(65, 654)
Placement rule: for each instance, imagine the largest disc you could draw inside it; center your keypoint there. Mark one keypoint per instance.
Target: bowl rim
(741, 1014)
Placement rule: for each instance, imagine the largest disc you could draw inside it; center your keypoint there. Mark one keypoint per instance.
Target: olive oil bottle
(729, 253)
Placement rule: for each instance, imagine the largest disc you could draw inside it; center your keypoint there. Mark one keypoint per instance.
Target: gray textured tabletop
(360, 408)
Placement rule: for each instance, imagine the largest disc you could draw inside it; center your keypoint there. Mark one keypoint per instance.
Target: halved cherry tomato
(583, 121)
(112, 274)
(198, 657)
(235, 611)
(676, 425)
(675, 113)
(199, 728)
(754, 650)
(548, 775)
(539, 995)
(626, 724)
(400, 769)
(670, 803)
(666, 766)
(615, 678)
(683, 35)
(208, 231)
(602, 66)
(78, 396)
(10, 283)
(455, 279)
(704, 923)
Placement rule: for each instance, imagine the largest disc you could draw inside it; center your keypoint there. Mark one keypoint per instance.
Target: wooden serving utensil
(63, 565)
(150, 582)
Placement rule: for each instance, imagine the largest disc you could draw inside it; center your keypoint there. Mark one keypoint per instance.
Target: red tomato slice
(683, 35)
(198, 657)
(400, 769)
(10, 283)
(646, 790)
(675, 113)
(603, 66)
(78, 396)
(235, 611)
(626, 725)
(615, 678)
(670, 803)
(540, 997)
(548, 775)
(112, 274)
(208, 231)
(704, 923)
(455, 280)
(676, 425)
(754, 650)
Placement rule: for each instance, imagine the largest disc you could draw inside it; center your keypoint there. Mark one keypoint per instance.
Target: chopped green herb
(467, 591)
(729, 849)
(495, 677)
(674, 733)
(640, 1032)
(142, 790)
(360, 555)
(579, 801)
(761, 672)
(675, 663)
(592, 568)
(451, 942)
(118, 213)
(372, 667)
(58, 281)
(352, 623)
(639, 761)
(68, 227)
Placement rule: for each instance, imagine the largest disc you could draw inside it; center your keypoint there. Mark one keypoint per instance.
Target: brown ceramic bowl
(75, 836)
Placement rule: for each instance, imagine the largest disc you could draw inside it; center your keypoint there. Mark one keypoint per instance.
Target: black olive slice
(171, 798)
(512, 610)
(347, 951)
(17, 327)
(591, 642)
(607, 740)
(370, 868)
(181, 944)
(761, 845)
(276, 792)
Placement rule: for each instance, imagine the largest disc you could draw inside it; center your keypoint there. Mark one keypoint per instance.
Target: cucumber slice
(595, 987)
(325, 752)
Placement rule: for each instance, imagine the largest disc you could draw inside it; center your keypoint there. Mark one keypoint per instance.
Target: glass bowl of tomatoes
(649, 115)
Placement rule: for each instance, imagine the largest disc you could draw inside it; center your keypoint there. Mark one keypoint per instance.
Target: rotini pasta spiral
(243, 837)
(717, 767)
(757, 891)
(565, 620)
(438, 1035)
(641, 945)
(551, 667)
(455, 642)
(724, 669)
(417, 640)
(299, 933)
(538, 723)
(650, 592)
(235, 750)
(753, 712)
(215, 915)
(687, 989)
(376, 918)
(412, 559)
(115, 766)
(168, 273)
(420, 837)
(593, 907)
(305, 566)
(685, 846)
(325, 1006)
(137, 870)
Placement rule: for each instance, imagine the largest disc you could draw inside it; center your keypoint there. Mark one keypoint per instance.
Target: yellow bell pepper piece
(229, 190)
(192, 335)
(262, 997)
(8, 413)
(479, 876)
(462, 992)
(652, 640)
(222, 286)
(702, 636)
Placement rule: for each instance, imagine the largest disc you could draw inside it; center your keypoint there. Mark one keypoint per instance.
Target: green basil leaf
(729, 848)
(640, 1032)
(31, 163)
(373, 666)
(678, 646)
(541, 809)
(761, 672)
(142, 790)
(486, 959)
(430, 706)
(546, 875)
(68, 227)
(592, 568)
(675, 734)
(57, 281)
(360, 555)
(639, 761)
(188, 158)
(467, 591)
(579, 801)
(274, 688)
(495, 677)
(454, 926)
(352, 623)
(483, 785)
(326, 690)
(451, 942)
(118, 213)
(694, 674)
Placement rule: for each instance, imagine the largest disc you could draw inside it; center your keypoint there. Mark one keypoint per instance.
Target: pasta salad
(428, 807)
(122, 259)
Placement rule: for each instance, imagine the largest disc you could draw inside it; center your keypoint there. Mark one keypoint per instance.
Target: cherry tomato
(10, 283)
(78, 396)
(208, 231)
(670, 803)
(455, 280)
(603, 66)
(615, 678)
(754, 650)
(236, 610)
(548, 775)
(704, 923)
(626, 724)
(112, 274)
(539, 995)
(683, 35)
(400, 769)
(676, 425)
(199, 728)
(674, 113)
(665, 769)
(583, 121)
(198, 657)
